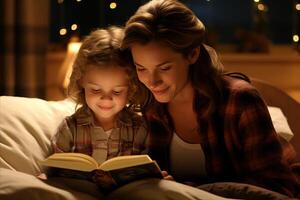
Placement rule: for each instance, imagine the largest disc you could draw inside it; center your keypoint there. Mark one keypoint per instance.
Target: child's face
(106, 91)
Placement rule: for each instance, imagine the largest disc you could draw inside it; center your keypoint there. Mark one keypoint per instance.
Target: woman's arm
(265, 160)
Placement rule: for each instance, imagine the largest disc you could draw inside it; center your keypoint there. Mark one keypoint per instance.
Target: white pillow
(26, 126)
(280, 123)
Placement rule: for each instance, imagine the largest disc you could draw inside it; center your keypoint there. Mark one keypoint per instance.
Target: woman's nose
(154, 80)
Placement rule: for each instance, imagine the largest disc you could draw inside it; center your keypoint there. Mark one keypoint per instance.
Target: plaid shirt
(239, 141)
(77, 133)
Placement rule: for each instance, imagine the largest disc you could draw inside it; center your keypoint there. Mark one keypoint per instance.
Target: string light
(113, 5)
(256, 1)
(72, 24)
(296, 23)
(261, 7)
(74, 27)
(63, 31)
(296, 38)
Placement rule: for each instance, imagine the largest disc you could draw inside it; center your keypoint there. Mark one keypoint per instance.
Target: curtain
(23, 46)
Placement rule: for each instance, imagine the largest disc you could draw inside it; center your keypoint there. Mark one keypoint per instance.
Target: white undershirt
(187, 160)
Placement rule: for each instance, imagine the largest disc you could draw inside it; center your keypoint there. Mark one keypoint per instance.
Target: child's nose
(106, 97)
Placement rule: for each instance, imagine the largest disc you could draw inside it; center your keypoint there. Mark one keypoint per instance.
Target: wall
(54, 80)
(280, 67)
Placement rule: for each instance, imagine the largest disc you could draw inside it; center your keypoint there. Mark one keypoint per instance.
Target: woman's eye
(165, 68)
(139, 69)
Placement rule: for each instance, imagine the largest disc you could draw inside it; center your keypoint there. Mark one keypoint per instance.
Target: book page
(125, 161)
(75, 161)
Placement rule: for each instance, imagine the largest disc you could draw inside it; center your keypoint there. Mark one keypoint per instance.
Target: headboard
(274, 96)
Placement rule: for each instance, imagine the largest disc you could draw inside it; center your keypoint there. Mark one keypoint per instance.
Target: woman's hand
(167, 176)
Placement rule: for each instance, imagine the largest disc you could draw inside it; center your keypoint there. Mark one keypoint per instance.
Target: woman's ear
(194, 54)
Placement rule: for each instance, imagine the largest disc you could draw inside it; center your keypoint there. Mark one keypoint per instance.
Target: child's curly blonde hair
(102, 47)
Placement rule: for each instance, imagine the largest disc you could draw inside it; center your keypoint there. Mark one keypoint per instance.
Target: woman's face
(162, 70)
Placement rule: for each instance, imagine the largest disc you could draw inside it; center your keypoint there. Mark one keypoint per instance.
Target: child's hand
(167, 176)
(42, 176)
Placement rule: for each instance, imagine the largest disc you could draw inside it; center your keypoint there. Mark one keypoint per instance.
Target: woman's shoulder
(237, 84)
(241, 90)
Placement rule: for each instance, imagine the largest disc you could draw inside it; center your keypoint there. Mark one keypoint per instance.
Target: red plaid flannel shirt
(240, 143)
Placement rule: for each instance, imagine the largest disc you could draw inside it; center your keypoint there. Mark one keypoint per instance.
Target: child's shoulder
(81, 116)
(132, 118)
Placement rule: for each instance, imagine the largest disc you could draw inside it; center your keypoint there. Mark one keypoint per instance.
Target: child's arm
(140, 140)
(63, 140)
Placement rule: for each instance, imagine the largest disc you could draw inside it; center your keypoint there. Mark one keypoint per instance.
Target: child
(103, 85)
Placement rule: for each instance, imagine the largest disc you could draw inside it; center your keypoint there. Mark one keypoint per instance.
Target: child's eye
(117, 92)
(95, 91)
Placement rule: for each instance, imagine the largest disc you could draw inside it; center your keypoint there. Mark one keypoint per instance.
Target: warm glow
(66, 69)
(261, 7)
(113, 5)
(296, 38)
(60, 1)
(78, 0)
(73, 47)
(256, 1)
(297, 6)
(63, 31)
(74, 27)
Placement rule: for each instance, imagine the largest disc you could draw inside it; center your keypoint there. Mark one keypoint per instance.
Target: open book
(108, 175)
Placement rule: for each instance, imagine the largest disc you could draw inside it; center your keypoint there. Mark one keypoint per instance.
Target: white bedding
(280, 123)
(26, 126)
(20, 186)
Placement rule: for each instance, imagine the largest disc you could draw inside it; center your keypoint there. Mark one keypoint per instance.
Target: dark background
(222, 17)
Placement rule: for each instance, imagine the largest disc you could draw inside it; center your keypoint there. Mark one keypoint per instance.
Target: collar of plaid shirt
(85, 116)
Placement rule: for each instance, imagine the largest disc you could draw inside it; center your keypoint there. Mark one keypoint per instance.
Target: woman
(205, 126)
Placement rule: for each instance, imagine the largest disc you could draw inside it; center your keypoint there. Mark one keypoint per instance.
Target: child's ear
(193, 55)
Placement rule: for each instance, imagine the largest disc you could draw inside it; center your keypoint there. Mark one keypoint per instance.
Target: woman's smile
(160, 91)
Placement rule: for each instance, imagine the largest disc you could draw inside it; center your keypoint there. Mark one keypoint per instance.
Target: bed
(289, 106)
(27, 124)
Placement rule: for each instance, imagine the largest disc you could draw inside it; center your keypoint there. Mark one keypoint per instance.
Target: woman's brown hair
(176, 26)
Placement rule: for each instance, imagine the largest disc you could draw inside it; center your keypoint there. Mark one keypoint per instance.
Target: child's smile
(106, 89)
